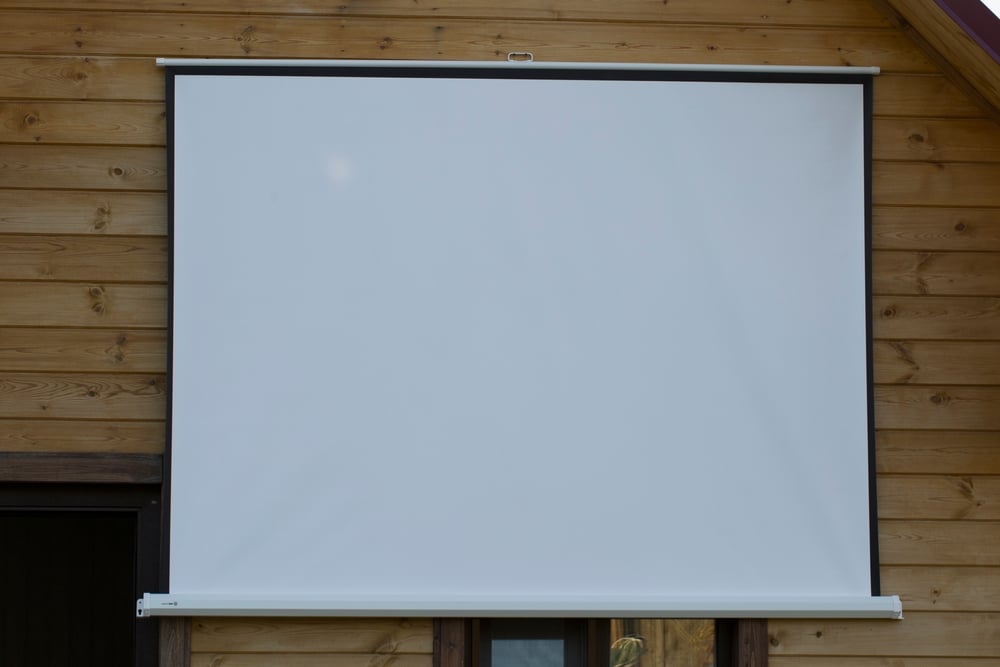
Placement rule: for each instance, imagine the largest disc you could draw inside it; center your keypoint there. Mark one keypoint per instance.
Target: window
(520, 642)
(548, 642)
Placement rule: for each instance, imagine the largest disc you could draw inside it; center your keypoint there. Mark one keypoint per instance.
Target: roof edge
(947, 43)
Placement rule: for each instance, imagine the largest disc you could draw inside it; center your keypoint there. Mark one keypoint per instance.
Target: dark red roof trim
(978, 21)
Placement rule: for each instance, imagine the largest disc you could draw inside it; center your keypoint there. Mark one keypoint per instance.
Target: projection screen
(519, 339)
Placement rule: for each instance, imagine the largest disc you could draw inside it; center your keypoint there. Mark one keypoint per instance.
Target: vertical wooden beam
(751, 642)
(598, 642)
(452, 642)
(175, 642)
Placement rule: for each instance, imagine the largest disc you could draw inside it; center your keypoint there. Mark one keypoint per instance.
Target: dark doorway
(73, 561)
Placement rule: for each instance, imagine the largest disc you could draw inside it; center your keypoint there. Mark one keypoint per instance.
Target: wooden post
(751, 642)
(175, 642)
(452, 642)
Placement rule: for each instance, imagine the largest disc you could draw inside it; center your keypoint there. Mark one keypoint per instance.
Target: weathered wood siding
(83, 265)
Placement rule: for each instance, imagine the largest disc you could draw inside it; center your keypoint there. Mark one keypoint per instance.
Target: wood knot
(819, 634)
(30, 119)
(385, 43)
(388, 646)
(116, 171)
(888, 312)
(773, 640)
(92, 393)
(151, 388)
(116, 352)
(916, 138)
(246, 38)
(960, 227)
(102, 217)
(97, 299)
(940, 398)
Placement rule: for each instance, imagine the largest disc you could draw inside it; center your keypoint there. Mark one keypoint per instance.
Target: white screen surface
(477, 339)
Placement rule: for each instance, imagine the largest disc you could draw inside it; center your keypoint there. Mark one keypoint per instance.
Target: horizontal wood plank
(845, 13)
(120, 78)
(953, 140)
(83, 305)
(947, 543)
(81, 468)
(154, 34)
(68, 212)
(46, 122)
(938, 452)
(83, 350)
(969, 497)
(383, 636)
(895, 661)
(930, 317)
(918, 634)
(47, 435)
(80, 77)
(937, 407)
(936, 362)
(86, 258)
(943, 588)
(921, 96)
(936, 184)
(310, 660)
(936, 273)
(83, 167)
(82, 396)
(943, 229)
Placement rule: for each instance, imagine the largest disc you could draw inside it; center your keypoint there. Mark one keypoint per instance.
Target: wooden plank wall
(83, 270)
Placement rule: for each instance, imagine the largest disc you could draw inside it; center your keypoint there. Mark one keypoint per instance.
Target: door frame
(140, 500)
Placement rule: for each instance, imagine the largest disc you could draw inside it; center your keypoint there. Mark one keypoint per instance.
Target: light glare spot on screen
(339, 169)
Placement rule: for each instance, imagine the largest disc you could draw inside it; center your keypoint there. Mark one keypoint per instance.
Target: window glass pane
(662, 643)
(527, 653)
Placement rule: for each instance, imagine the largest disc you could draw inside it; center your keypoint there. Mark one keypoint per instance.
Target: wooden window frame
(738, 642)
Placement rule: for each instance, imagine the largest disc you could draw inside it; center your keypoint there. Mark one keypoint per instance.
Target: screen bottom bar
(168, 604)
